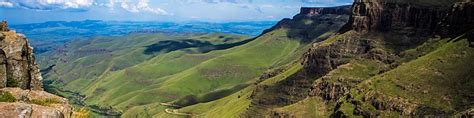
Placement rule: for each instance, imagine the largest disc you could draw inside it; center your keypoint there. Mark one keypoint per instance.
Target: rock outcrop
(385, 15)
(311, 16)
(33, 104)
(21, 89)
(17, 62)
(460, 19)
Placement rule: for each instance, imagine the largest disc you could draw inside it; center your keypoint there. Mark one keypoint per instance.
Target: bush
(81, 113)
(11, 82)
(45, 102)
(6, 97)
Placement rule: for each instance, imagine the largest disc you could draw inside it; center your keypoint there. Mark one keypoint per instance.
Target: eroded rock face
(320, 59)
(17, 62)
(459, 19)
(27, 105)
(380, 15)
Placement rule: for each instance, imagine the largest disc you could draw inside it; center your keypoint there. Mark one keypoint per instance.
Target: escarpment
(383, 31)
(17, 62)
(310, 17)
(413, 22)
(386, 16)
(459, 19)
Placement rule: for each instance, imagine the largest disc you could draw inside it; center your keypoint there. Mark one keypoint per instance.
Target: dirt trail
(175, 111)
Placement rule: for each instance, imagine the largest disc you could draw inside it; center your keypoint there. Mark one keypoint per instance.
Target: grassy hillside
(433, 78)
(438, 83)
(115, 75)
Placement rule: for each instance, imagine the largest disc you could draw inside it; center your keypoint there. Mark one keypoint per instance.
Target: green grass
(235, 104)
(7, 97)
(440, 80)
(311, 107)
(440, 73)
(45, 102)
(125, 78)
(178, 74)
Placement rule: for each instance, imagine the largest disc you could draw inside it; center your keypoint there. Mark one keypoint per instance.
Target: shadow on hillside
(201, 46)
(173, 45)
(307, 29)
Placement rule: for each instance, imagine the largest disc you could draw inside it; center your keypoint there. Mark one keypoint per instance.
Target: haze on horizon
(34, 11)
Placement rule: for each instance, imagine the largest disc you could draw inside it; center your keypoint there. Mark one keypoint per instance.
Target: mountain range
(375, 58)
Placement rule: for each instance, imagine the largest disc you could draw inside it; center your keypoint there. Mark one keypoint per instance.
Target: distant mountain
(48, 35)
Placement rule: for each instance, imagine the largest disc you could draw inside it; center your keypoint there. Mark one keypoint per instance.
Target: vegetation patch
(45, 102)
(6, 97)
(11, 82)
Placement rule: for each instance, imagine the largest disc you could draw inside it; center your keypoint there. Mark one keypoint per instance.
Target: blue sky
(31, 11)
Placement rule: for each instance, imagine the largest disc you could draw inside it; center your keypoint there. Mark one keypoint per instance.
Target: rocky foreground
(21, 92)
(16, 102)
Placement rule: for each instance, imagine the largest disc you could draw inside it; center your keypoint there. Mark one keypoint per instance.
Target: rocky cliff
(17, 62)
(459, 19)
(384, 31)
(311, 16)
(312, 11)
(21, 92)
(385, 15)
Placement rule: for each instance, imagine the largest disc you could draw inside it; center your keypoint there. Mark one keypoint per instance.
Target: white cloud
(134, 6)
(6, 4)
(53, 4)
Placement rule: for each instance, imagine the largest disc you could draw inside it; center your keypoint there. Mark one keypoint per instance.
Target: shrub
(81, 113)
(6, 97)
(45, 102)
(11, 82)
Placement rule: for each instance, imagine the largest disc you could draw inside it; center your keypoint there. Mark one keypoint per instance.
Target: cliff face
(21, 92)
(315, 15)
(17, 62)
(459, 19)
(412, 21)
(312, 11)
(385, 16)
(388, 15)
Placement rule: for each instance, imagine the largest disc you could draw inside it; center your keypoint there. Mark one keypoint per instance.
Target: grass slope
(437, 83)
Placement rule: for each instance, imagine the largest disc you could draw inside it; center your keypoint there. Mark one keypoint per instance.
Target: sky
(35, 11)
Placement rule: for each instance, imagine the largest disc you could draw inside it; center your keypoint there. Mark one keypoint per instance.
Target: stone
(17, 62)
(25, 109)
(4, 26)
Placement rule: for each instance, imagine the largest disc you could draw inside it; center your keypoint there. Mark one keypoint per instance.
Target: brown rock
(17, 62)
(384, 16)
(4, 26)
(25, 108)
